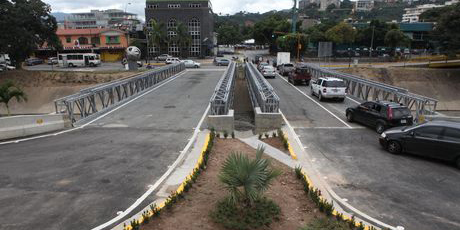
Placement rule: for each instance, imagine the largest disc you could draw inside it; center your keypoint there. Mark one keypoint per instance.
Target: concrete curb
(175, 183)
(316, 181)
(28, 125)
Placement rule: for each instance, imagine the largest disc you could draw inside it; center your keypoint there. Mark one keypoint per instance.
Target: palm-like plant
(246, 179)
(156, 34)
(8, 91)
(184, 39)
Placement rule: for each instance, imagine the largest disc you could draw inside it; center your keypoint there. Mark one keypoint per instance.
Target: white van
(172, 60)
(79, 59)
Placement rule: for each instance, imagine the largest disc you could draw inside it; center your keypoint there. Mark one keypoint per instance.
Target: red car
(299, 75)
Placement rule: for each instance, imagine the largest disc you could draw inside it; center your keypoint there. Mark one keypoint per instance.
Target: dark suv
(436, 139)
(380, 114)
(299, 75)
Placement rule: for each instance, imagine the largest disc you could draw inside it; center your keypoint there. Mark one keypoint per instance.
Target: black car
(33, 61)
(380, 114)
(436, 139)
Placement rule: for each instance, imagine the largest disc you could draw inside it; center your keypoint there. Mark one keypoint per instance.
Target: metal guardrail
(371, 90)
(261, 92)
(92, 101)
(222, 99)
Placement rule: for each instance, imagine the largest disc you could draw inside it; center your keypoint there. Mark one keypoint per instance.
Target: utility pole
(294, 17)
(372, 41)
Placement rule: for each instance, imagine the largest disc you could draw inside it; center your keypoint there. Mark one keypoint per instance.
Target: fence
(92, 101)
(261, 92)
(222, 99)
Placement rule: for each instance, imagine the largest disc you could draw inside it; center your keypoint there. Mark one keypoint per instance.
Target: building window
(194, 29)
(82, 41)
(195, 5)
(173, 5)
(171, 27)
(95, 40)
(152, 6)
(154, 50)
(112, 39)
(68, 39)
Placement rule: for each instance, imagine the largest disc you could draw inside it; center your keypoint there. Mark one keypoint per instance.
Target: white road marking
(349, 126)
(162, 178)
(107, 113)
(353, 100)
(328, 128)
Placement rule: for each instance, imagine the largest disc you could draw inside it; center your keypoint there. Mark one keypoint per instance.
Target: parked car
(380, 114)
(299, 75)
(163, 57)
(52, 61)
(191, 64)
(436, 139)
(5, 67)
(286, 68)
(172, 60)
(268, 71)
(261, 66)
(329, 87)
(33, 61)
(222, 62)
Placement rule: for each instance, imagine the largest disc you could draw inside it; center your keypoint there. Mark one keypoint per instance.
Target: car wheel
(320, 97)
(312, 92)
(307, 83)
(341, 99)
(394, 147)
(91, 64)
(380, 127)
(350, 117)
(70, 65)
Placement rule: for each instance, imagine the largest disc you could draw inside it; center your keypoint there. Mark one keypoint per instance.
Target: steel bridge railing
(261, 92)
(92, 101)
(371, 90)
(222, 98)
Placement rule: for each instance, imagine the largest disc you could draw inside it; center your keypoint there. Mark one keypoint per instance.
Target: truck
(282, 57)
(299, 75)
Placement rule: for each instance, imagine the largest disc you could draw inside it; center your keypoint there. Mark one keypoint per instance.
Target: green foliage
(290, 42)
(156, 34)
(267, 135)
(26, 26)
(274, 134)
(135, 225)
(225, 134)
(233, 134)
(229, 35)
(341, 33)
(395, 38)
(8, 91)
(246, 179)
(326, 223)
(260, 136)
(146, 218)
(447, 31)
(232, 216)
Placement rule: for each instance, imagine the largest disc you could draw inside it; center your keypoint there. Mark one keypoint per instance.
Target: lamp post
(372, 41)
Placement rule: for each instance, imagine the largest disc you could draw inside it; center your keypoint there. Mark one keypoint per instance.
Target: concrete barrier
(222, 123)
(27, 125)
(440, 117)
(267, 121)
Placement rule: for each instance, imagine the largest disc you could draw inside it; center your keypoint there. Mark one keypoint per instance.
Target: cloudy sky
(137, 6)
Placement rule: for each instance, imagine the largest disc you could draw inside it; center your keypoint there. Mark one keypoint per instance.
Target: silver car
(191, 64)
(286, 68)
(268, 71)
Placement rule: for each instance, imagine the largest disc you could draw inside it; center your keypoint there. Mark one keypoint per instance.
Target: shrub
(232, 216)
(267, 135)
(274, 134)
(260, 136)
(233, 135)
(225, 134)
(326, 223)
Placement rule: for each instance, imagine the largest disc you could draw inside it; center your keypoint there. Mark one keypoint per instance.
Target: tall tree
(26, 25)
(395, 38)
(183, 38)
(8, 91)
(447, 30)
(156, 34)
(341, 33)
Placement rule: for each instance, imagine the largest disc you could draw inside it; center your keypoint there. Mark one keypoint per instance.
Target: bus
(79, 59)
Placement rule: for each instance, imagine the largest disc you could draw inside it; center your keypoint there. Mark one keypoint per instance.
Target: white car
(328, 87)
(268, 71)
(191, 64)
(172, 60)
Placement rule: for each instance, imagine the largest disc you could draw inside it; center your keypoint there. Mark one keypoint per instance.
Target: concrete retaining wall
(222, 123)
(27, 125)
(441, 118)
(267, 121)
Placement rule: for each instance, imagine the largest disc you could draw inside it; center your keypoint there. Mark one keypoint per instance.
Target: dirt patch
(192, 212)
(276, 143)
(441, 84)
(43, 87)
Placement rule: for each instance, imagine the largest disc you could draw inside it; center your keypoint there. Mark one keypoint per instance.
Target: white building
(364, 5)
(413, 14)
(102, 19)
(325, 3)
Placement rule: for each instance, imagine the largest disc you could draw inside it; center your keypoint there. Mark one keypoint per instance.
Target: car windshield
(401, 112)
(288, 65)
(269, 68)
(334, 84)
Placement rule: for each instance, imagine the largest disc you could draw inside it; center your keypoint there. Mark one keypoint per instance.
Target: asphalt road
(400, 190)
(82, 178)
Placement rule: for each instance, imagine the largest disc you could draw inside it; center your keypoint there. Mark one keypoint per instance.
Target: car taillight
(390, 113)
(324, 90)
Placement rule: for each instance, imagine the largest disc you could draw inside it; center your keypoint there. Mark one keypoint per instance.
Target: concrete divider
(222, 123)
(440, 117)
(267, 121)
(27, 125)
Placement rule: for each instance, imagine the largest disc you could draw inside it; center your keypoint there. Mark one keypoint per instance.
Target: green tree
(289, 43)
(447, 31)
(376, 27)
(246, 179)
(8, 91)
(156, 34)
(183, 39)
(395, 38)
(26, 26)
(229, 35)
(341, 33)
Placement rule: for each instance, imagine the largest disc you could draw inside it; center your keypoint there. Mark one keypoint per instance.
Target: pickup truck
(299, 75)
(328, 87)
(286, 68)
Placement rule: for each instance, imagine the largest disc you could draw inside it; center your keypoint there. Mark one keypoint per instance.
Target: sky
(137, 6)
